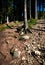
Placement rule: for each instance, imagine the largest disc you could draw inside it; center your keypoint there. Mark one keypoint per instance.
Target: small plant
(32, 22)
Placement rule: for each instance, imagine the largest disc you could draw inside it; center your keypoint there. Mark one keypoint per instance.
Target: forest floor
(15, 50)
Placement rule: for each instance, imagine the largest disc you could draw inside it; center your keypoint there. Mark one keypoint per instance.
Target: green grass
(10, 25)
(6, 26)
(3, 27)
(32, 22)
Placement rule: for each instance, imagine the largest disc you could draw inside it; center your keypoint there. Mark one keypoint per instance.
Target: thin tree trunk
(42, 8)
(7, 19)
(30, 9)
(7, 5)
(25, 15)
(35, 9)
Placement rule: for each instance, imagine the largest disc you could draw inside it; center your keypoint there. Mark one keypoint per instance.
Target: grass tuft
(32, 22)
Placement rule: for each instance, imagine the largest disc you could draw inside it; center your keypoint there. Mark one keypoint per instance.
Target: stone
(22, 33)
(28, 52)
(34, 47)
(39, 46)
(37, 52)
(26, 37)
(17, 54)
(23, 58)
(33, 42)
(16, 49)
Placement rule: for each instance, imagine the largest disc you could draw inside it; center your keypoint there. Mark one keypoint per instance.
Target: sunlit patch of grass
(9, 25)
(3, 27)
(32, 22)
(6, 26)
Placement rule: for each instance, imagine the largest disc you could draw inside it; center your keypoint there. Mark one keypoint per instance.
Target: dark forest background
(14, 9)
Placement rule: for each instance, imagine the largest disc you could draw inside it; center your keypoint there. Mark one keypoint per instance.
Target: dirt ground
(32, 55)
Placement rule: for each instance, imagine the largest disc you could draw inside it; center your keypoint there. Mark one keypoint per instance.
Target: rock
(33, 42)
(37, 52)
(16, 49)
(29, 52)
(39, 46)
(17, 54)
(26, 37)
(23, 58)
(34, 48)
(22, 33)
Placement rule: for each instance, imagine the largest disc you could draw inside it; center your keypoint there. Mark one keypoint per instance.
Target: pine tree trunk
(35, 9)
(7, 19)
(42, 8)
(30, 9)
(25, 15)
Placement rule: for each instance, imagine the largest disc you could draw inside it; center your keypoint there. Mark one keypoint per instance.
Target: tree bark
(30, 9)
(25, 15)
(43, 8)
(35, 9)
(7, 19)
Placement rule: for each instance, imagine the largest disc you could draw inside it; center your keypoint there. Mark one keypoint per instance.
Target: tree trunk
(25, 15)
(7, 19)
(35, 9)
(30, 9)
(43, 8)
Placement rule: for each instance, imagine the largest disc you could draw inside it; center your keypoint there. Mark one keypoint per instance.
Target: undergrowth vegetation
(6, 26)
(3, 27)
(32, 22)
